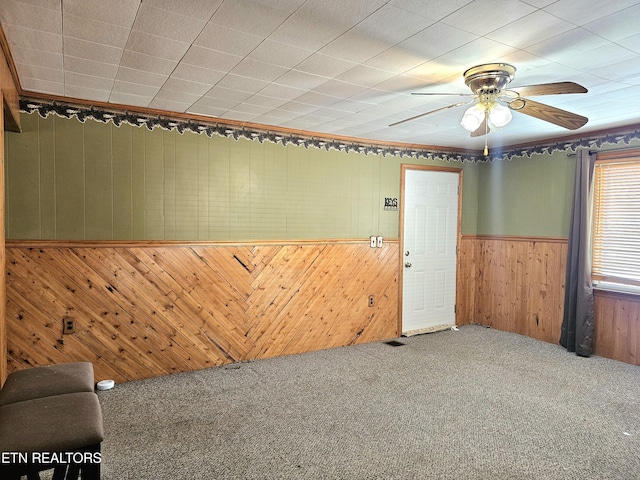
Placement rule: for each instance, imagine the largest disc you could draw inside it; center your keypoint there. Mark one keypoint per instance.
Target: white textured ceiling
(338, 67)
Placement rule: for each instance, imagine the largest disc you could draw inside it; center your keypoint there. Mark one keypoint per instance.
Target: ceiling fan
(494, 102)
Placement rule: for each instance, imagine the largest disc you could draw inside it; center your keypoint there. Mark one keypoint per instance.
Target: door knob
(408, 265)
(406, 254)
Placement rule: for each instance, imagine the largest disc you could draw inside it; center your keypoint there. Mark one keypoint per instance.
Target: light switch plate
(379, 242)
(373, 242)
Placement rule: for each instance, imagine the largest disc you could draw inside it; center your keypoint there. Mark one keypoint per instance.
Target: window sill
(630, 293)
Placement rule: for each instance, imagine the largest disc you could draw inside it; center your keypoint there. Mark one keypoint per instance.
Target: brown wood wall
(517, 285)
(147, 310)
(617, 327)
(9, 120)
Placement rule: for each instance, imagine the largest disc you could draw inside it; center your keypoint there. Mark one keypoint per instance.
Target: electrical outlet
(372, 301)
(373, 242)
(379, 242)
(68, 326)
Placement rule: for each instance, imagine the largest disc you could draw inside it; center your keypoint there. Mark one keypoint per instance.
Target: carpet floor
(470, 404)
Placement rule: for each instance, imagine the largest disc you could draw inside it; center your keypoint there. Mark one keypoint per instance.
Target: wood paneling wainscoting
(515, 284)
(617, 327)
(142, 310)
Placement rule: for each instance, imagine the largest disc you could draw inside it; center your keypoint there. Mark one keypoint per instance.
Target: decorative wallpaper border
(68, 110)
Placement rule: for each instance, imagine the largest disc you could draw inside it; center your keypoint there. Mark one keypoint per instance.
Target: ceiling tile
(307, 32)
(132, 75)
(406, 24)
(293, 62)
(206, 111)
(89, 67)
(88, 81)
(249, 17)
(300, 80)
(95, 31)
(169, 105)
(211, 59)
(154, 46)
(324, 65)
(13, 12)
(483, 16)
(340, 89)
(208, 102)
(200, 9)
(298, 108)
(33, 39)
(599, 57)
(632, 43)
(228, 94)
(175, 26)
(617, 26)
(317, 99)
(186, 86)
(222, 39)
(581, 12)
(32, 71)
(436, 40)
(258, 70)
(197, 74)
(146, 63)
(264, 101)
(354, 47)
(401, 84)
(117, 12)
(477, 52)
(566, 45)
(239, 116)
(37, 58)
(242, 84)
(134, 89)
(281, 91)
(165, 94)
(396, 60)
(365, 76)
(75, 91)
(534, 28)
(43, 86)
(280, 54)
(436, 9)
(75, 47)
(129, 99)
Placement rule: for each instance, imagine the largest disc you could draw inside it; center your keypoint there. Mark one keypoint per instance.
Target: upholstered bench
(59, 431)
(47, 381)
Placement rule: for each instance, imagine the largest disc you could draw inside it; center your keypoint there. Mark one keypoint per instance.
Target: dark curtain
(577, 323)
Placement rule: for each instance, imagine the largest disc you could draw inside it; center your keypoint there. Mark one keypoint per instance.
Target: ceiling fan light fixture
(473, 117)
(499, 115)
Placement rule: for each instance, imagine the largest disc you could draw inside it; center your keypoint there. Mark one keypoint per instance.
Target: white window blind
(616, 224)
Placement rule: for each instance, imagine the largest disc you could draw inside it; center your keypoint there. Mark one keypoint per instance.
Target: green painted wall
(526, 196)
(68, 180)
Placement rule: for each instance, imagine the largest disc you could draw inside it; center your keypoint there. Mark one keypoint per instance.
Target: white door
(430, 230)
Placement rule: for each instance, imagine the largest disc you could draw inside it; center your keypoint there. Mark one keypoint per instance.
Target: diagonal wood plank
(148, 310)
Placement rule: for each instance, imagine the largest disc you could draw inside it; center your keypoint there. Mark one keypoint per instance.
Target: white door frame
(403, 169)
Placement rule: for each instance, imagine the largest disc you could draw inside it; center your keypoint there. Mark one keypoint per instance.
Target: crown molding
(46, 105)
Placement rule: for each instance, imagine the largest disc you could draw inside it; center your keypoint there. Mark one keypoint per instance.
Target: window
(616, 222)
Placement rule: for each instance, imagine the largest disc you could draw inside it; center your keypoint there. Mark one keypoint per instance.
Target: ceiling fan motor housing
(490, 78)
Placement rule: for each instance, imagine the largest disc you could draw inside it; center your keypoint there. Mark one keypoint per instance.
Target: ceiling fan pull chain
(486, 132)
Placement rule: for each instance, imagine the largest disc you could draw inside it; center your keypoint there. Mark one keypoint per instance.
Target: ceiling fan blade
(554, 115)
(483, 129)
(429, 113)
(441, 93)
(549, 89)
